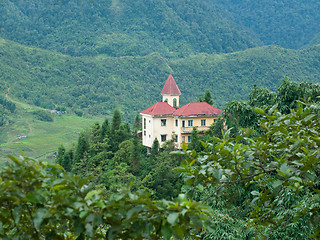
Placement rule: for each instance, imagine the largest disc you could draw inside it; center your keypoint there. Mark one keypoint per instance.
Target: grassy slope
(43, 138)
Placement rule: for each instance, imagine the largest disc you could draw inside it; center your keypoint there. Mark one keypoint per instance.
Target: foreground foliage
(280, 168)
(284, 98)
(41, 201)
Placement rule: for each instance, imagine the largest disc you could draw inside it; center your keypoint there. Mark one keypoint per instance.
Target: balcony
(200, 129)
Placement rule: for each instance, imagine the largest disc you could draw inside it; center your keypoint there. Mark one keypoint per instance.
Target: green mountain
(288, 23)
(174, 28)
(98, 85)
(122, 27)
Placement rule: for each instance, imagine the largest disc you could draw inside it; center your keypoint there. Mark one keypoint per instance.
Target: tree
(207, 97)
(282, 160)
(60, 156)
(155, 148)
(40, 201)
(137, 124)
(116, 121)
(125, 152)
(82, 147)
(195, 141)
(216, 129)
(284, 99)
(105, 129)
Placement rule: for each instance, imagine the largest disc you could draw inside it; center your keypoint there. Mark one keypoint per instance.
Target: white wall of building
(170, 99)
(152, 128)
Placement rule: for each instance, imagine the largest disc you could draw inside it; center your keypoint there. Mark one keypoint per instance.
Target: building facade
(166, 120)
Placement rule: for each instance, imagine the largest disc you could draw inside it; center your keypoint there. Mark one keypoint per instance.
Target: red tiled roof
(159, 108)
(197, 108)
(170, 87)
(190, 109)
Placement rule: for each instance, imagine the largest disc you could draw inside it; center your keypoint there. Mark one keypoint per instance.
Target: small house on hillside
(165, 120)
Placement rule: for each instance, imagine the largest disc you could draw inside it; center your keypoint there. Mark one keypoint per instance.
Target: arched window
(166, 100)
(175, 103)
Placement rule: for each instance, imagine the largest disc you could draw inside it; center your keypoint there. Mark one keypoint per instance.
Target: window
(190, 123)
(163, 138)
(144, 133)
(189, 139)
(176, 122)
(214, 120)
(203, 122)
(163, 122)
(144, 123)
(166, 100)
(183, 139)
(175, 103)
(183, 123)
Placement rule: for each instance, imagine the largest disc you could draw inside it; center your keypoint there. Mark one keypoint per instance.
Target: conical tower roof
(170, 87)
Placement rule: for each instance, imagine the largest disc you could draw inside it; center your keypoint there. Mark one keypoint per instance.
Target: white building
(165, 120)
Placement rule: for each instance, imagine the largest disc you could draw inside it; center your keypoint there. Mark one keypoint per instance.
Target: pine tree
(82, 147)
(207, 97)
(116, 121)
(105, 129)
(60, 156)
(155, 148)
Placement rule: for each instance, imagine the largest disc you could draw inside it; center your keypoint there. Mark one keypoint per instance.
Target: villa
(166, 120)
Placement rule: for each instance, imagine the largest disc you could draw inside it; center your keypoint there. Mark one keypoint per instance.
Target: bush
(43, 116)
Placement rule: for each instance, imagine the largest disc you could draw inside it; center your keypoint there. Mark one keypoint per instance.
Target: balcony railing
(200, 129)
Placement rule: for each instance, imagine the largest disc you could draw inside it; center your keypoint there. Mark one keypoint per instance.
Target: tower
(170, 92)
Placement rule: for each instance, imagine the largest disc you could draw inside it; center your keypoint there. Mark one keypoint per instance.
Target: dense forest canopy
(172, 28)
(122, 28)
(290, 24)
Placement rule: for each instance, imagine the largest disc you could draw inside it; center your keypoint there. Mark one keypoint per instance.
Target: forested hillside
(122, 28)
(172, 28)
(98, 85)
(288, 23)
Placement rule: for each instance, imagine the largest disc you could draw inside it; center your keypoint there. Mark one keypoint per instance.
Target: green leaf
(78, 227)
(15, 160)
(92, 193)
(39, 216)
(166, 231)
(172, 218)
(255, 193)
(259, 111)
